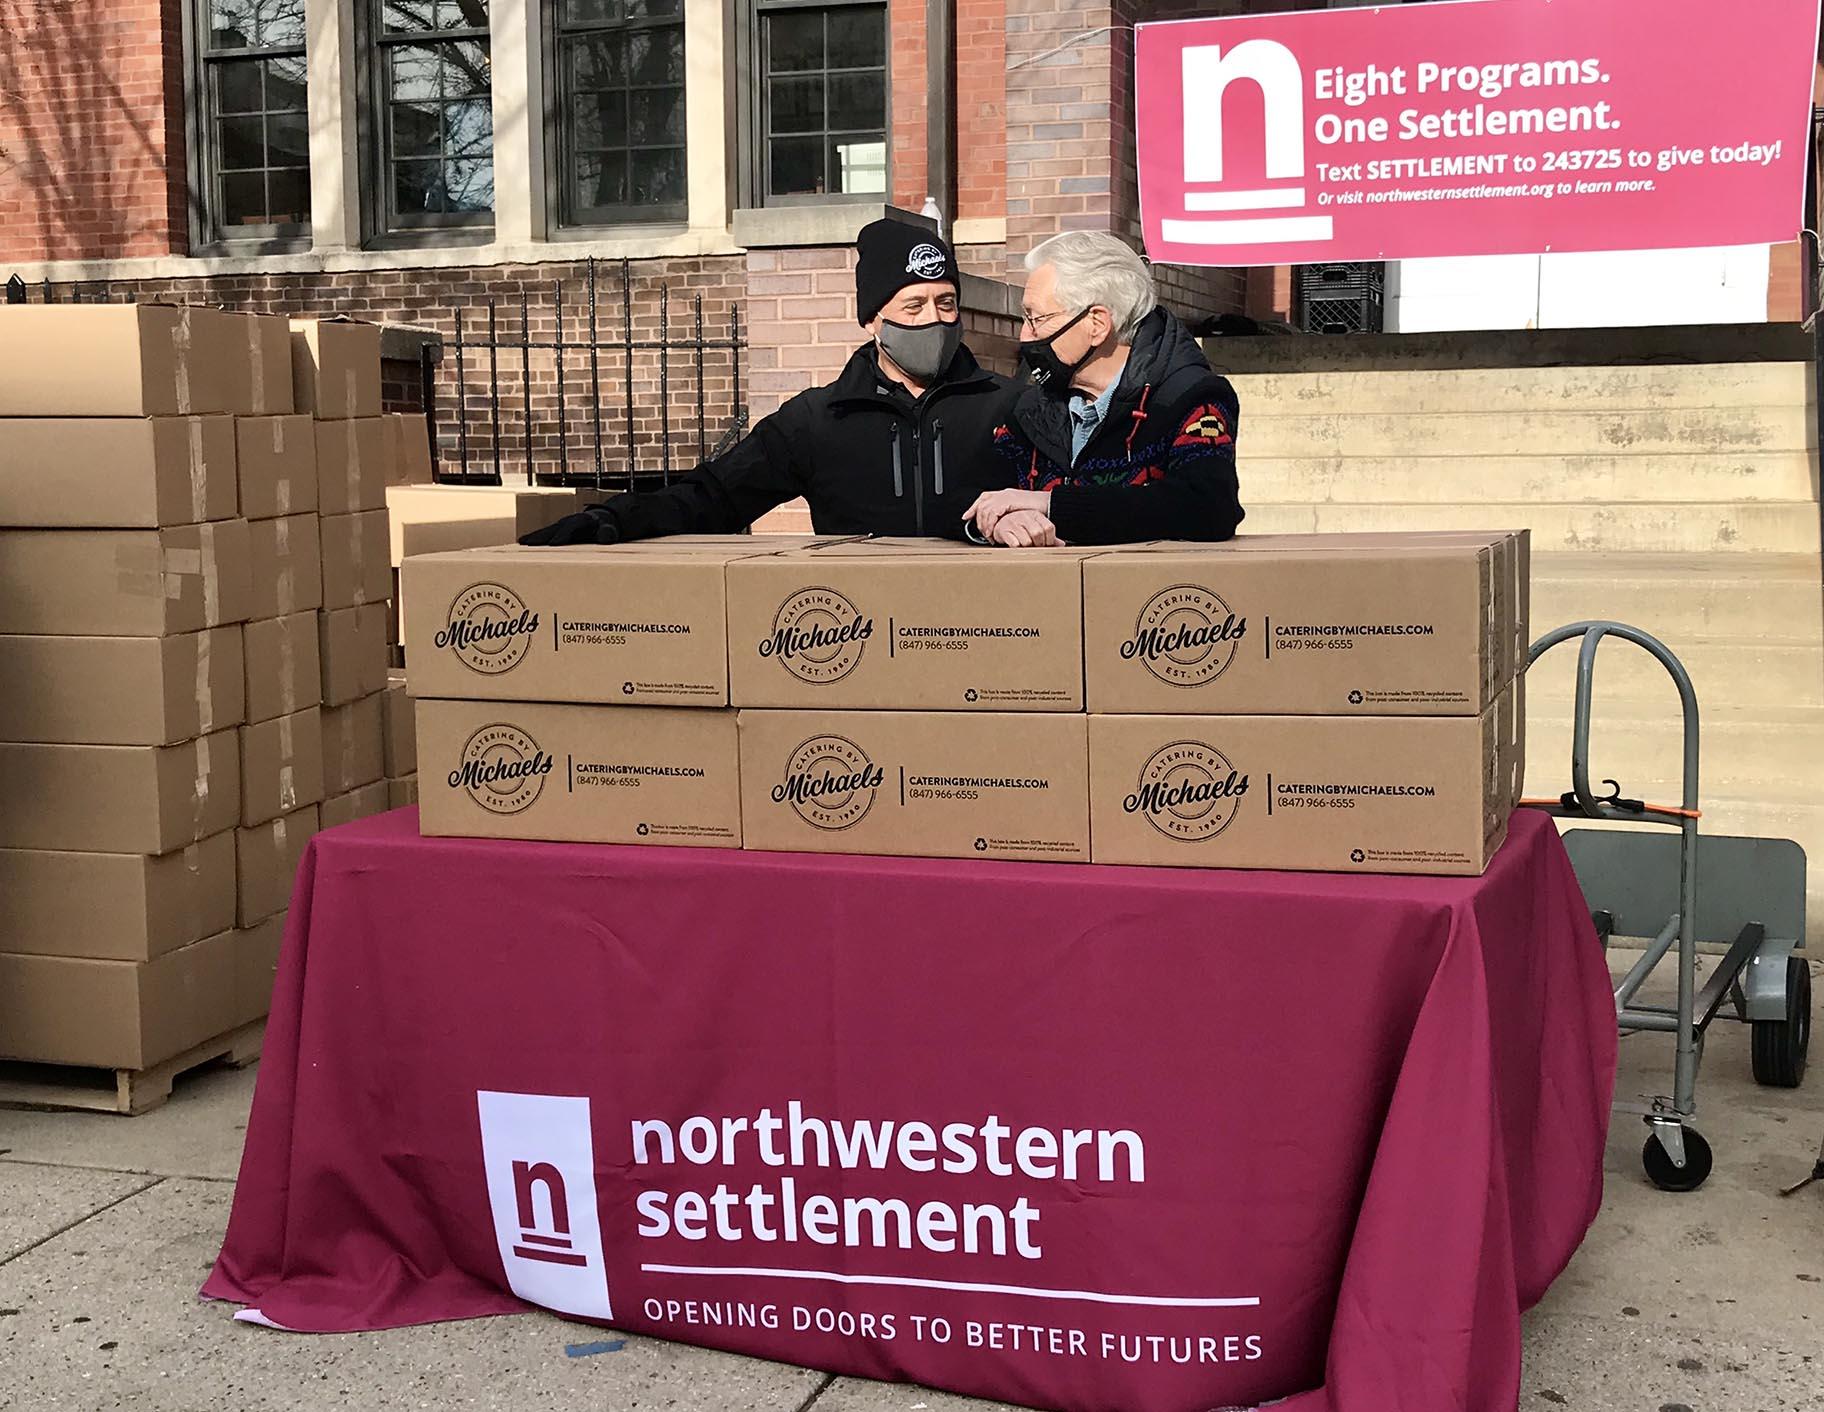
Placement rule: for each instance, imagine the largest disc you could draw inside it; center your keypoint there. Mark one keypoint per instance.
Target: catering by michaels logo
(538, 1153)
(818, 636)
(488, 628)
(502, 768)
(1188, 791)
(1185, 636)
(830, 782)
(1207, 72)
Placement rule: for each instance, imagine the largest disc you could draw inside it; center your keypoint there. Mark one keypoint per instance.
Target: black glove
(584, 527)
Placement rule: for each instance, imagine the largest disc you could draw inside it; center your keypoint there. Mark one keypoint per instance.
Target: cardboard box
(402, 793)
(916, 784)
(1358, 630)
(354, 744)
(1368, 794)
(116, 360)
(263, 369)
(116, 1014)
(351, 645)
(120, 690)
(266, 861)
(283, 671)
(116, 906)
(586, 625)
(287, 557)
(117, 472)
(278, 461)
(355, 567)
(118, 798)
(256, 968)
(401, 731)
(351, 465)
(335, 368)
(1513, 560)
(281, 766)
(124, 583)
(436, 519)
(497, 769)
(356, 804)
(408, 449)
(880, 626)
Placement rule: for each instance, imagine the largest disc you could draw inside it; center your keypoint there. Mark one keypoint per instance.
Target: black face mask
(1045, 367)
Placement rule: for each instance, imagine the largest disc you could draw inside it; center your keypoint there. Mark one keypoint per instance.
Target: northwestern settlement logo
(829, 782)
(1188, 791)
(489, 630)
(539, 1159)
(1273, 71)
(502, 769)
(926, 261)
(818, 635)
(1185, 636)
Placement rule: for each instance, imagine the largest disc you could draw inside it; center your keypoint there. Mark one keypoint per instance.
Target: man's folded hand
(1026, 529)
(584, 527)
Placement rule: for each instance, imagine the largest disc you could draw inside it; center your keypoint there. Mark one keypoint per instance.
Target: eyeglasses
(1038, 323)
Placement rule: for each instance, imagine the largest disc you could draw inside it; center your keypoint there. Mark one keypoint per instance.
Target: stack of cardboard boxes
(124, 578)
(336, 373)
(192, 596)
(1333, 702)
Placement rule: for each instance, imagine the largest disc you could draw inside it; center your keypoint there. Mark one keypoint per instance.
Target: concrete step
(1524, 390)
(1764, 751)
(1679, 597)
(1724, 672)
(1363, 476)
(1735, 528)
(1269, 431)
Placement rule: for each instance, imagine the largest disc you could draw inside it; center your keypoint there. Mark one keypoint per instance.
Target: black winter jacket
(868, 458)
(1160, 465)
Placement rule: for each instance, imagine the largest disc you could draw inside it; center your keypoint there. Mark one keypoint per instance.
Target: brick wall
(907, 85)
(801, 320)
(91, 129)
(431, 298)
(1070, 137)
(981, 109)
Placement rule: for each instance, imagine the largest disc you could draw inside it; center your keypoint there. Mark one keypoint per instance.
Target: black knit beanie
(892, 254)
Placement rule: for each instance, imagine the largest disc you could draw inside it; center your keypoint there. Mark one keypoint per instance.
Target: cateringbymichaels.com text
(780, 1212)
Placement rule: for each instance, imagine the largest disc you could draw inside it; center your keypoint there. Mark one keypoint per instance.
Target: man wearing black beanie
(901, 443)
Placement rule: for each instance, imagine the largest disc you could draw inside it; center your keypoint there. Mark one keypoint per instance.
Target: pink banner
(1483, 127)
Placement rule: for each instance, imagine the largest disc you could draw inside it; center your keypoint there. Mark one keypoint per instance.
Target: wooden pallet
(130, 1091)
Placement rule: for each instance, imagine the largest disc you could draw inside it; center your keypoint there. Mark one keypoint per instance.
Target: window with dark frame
(823, 100)
(434, 118)
(619, 103)
(252, 123)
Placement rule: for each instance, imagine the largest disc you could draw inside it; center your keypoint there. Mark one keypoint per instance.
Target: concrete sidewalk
(1709, 1302)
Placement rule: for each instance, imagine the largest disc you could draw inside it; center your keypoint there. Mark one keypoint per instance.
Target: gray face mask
(923, 350)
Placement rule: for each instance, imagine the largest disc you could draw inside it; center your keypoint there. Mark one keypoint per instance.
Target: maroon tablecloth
(1159, 1139)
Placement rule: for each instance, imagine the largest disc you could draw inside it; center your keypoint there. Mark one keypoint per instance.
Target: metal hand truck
(1745, 896)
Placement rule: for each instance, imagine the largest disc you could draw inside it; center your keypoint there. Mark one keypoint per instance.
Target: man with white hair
(1125, 433)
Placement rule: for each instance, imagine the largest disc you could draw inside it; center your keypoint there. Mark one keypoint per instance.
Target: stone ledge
(837, 223)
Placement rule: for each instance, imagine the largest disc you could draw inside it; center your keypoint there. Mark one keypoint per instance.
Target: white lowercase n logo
(1208, 72)
(539, 1155)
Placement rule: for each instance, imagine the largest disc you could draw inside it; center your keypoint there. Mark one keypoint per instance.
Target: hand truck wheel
(1667, 1177)
(1779, 1046)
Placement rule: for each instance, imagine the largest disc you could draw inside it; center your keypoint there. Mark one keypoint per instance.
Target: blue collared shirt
(1085, 416)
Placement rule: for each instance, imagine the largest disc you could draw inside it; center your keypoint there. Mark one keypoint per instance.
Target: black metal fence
(98, 291)
(602, 382)
(591, 404)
